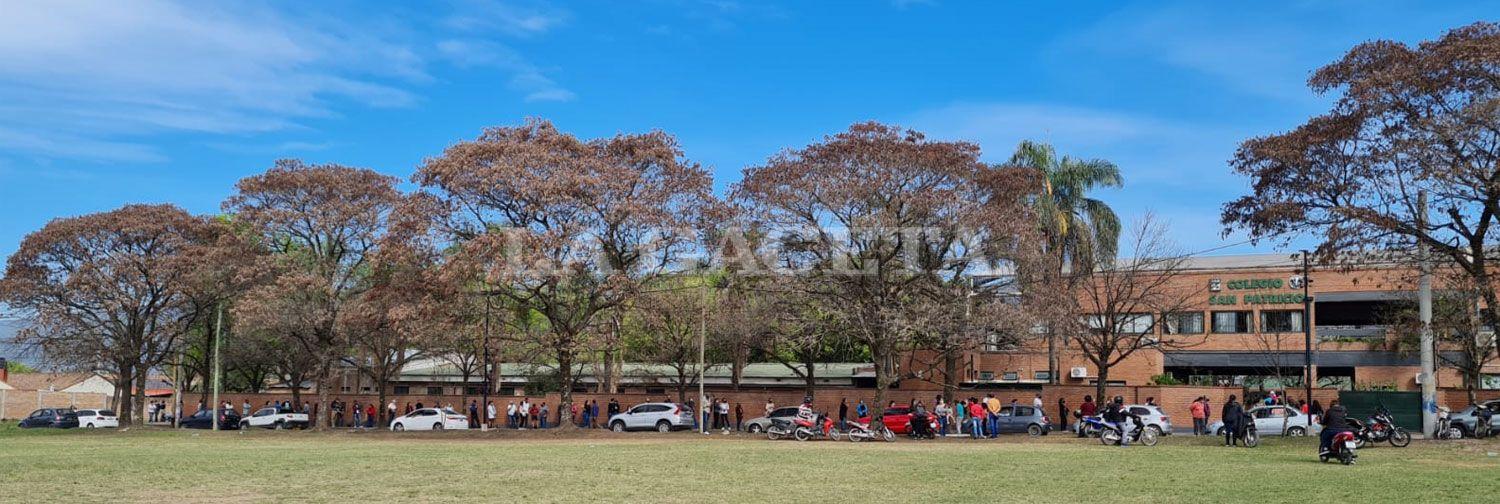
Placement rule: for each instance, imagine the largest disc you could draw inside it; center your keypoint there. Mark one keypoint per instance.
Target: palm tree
(1080, 231)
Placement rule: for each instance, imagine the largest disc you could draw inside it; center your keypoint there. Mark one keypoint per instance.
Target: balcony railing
(1328, 332)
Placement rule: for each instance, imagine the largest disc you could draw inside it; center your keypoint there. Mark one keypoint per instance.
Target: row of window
(1219, 322)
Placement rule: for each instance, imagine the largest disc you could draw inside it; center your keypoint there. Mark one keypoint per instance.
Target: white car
(98, 419)
(275, 418)
(431, 419)
(1152, 418)
(1269, 421)
(663, 417)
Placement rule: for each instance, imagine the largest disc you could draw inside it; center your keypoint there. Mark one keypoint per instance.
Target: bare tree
(1122, 301)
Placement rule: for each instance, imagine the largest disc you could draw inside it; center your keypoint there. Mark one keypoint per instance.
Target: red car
(898, 419)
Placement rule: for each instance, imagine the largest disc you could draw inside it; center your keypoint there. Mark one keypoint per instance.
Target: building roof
(47, 381)
(440, 370)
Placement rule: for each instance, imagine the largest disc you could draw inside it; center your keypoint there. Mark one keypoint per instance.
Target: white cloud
(526, 78)
(95, 80)
(510, 18)
(998, 127)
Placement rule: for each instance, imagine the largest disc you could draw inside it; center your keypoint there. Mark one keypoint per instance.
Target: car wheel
(617, 427)
(1034, 430)
(1219, 432)
(663, 426)
(398, 427)
(755, 429)
(1155, 429)
(280, 425)
(1296, 431)
(90, 426)
(244, 425)
(437, 426)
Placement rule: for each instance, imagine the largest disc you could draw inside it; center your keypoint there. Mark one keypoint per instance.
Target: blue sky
(105, 103)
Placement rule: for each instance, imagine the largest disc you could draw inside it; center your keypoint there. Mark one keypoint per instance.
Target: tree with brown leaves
(1407, 121)
(323, 224)
(872, 216)
(110, 291)
(566, 228)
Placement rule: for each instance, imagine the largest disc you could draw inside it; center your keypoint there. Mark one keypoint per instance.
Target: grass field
(166, 466)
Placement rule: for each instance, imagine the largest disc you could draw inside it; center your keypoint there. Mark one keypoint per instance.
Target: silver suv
(1467, 417)
(663, 417)
(758, 425)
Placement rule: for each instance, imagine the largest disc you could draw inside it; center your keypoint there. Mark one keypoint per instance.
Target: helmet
(807, 399)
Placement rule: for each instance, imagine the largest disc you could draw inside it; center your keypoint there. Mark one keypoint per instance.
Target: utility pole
(1424, 311)
(702, 341)
(1307, 339)
(177, 390)
(218, 332)
(484, 425)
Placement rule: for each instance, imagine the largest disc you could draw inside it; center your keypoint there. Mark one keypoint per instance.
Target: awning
(1344, 297)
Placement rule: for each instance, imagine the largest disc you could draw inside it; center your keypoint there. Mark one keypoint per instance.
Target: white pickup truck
(275, 418)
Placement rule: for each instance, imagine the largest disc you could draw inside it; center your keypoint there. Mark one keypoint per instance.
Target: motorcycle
(858, 431)
(929, 433)
(1447, 428)
(1379, 428)
(1090, 426)
(1109, 435)
(820, 427)
(779, 429)
(1342, 448)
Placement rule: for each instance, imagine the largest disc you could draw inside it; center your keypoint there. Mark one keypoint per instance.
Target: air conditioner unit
(1078, 372)
(1419, 378)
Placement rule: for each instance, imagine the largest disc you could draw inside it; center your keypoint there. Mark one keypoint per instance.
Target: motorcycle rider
(1335, 420)
(805, 411)
(1114, 415)
(1482, 417)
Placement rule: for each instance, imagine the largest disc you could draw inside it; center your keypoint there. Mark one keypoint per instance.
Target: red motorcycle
(1341, 448)
(820, 427)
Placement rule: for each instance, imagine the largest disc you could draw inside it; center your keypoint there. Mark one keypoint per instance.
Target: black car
(57, 418)
(228, 420)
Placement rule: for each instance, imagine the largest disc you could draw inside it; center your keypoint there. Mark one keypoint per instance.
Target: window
(1183, 323)
(1025, 411)
(105, 412)
(403, 390)
(473, 390)
(1007, 411)
(987, 375)
(1232, 322)
(434, 390)
(1281, 321)
(1011, 376)
(1133, 323)
(1042, 375)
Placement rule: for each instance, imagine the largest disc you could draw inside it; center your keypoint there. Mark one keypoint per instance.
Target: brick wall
(16, 404)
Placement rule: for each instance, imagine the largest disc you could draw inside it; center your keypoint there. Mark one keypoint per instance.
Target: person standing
(489, 414)
(369, 415)
(614, 407)
(543, 416)
(1036, 402)
(390, 411)
(1197, 411)
(1316, 411)
(510, 414)
(1232, 415)
(593, 412)
(942, 411)
(993, 406)
(473, 414)
(770, 406)
(1062, 414)
(861, 411)
(976, 418)
(535, 414)
(843, 413)
(739, 417)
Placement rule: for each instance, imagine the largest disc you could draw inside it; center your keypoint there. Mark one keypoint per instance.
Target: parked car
(203, 419)
(664, 417)
(1467, 416)
(275, 418)
(1270, 420)
(1024, 419)
(758, 425)
(1152, 417)
(56, 418)
(431, 419)
(98, 419)
(895, 418)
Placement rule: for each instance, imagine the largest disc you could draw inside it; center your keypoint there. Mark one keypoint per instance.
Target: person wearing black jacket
(1114, 415)
(1334, 421)
(1233, 415)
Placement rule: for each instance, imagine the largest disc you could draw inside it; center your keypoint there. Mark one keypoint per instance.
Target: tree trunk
(380, 405)
(950, 374)
(809, 376)
(883, 380)
(607, 384)
(122, 389)
(139, 399)
(325, 381)
(565, 382)
(1051, 355)
(1100, 388)
(297, 390)
(737, 368)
